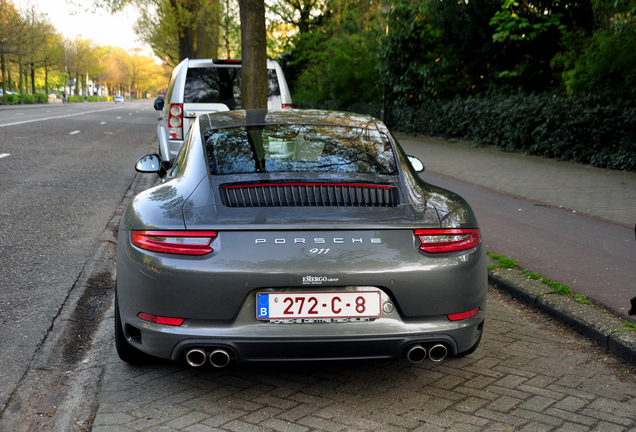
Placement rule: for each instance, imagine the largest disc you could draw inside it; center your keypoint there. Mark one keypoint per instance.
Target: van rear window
(221, 85)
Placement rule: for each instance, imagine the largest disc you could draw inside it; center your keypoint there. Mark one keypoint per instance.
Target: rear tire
(125, 351)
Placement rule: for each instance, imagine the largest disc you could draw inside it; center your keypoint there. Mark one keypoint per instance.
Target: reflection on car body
(296, 235)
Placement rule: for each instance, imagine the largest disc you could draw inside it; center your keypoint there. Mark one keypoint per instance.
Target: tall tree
(299, 13)
(194, 24)
(9, 23)
(254, 53)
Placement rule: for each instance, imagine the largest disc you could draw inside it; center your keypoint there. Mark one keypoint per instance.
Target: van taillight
(447, 240)
(175, 122)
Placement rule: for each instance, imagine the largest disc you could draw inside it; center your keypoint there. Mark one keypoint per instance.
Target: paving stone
(571, 404)
(535, 427)
(262, 414)
(504, 404)
(571, 417)
(609, 427)
(537, 417)
(239, 426)
(202, 428)
(469, 405)
(572, 427)
(537, 403)
(297, 412)
(187, 420)
(112, 419)
(283, 426)
(427, 427)
(501, 417)
(483, 394)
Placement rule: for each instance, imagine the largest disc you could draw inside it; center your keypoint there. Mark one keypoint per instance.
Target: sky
(103, 28)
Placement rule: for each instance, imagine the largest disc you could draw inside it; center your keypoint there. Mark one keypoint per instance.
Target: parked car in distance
(296, 235)
(202, 86)
(119, 99)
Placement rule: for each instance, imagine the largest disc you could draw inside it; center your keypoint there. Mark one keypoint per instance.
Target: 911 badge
(318, 280)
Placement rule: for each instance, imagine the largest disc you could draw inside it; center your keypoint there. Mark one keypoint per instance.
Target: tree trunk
(4, 73)
(20, 73)
(208, 29)
(32, 78)
(254, 53)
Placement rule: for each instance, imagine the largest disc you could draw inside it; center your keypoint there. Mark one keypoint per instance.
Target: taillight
(175, 122)
(290, 106)
(463, 315)
(160, 320)
(174, 242)
(447, 240)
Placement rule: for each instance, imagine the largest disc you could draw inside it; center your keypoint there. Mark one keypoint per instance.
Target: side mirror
(159, 104)
(417, 164)
(150, 164)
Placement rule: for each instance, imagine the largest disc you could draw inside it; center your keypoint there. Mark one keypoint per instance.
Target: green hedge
(23, 98)
(587, 130)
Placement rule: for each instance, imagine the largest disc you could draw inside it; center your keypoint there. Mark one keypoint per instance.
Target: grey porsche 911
(296, 235)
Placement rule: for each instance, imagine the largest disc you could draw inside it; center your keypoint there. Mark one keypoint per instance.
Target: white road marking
(74, 132)
(103, 123)
(56, 117)
(118, 118)
(4, 155)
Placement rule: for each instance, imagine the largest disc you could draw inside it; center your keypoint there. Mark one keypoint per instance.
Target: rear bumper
(380, 339)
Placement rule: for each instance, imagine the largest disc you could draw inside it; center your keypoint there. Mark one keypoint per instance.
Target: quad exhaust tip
(219, 358)
(417, 353)
(437, 352)
(196, 357)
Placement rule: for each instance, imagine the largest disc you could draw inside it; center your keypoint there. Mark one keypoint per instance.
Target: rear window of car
(221, 85)
(299, 148)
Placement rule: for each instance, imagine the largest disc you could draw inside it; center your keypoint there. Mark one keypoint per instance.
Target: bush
(588, 130)
(25, 98)
(14, 99)
(41, 98)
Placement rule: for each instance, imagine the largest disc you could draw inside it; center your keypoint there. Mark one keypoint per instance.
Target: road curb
(597, 324)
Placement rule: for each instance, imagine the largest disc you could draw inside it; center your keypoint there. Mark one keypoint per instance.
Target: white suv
(203, 86)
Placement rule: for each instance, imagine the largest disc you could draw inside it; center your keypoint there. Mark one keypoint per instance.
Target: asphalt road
(63, 171)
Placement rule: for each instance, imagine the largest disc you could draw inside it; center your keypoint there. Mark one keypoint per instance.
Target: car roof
(243, 118)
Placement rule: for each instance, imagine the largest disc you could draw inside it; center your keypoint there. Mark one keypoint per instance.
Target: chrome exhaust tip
(196, 357)
(219, 358)
(416, 353)
(437, 352)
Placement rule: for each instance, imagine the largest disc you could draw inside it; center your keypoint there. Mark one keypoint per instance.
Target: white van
(203, 86)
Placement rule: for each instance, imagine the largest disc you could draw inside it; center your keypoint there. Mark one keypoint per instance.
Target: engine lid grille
(309, 195)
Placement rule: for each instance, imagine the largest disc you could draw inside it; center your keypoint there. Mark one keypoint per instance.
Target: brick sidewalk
(530, 373)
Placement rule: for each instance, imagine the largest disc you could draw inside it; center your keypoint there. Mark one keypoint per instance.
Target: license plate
(290, 305)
